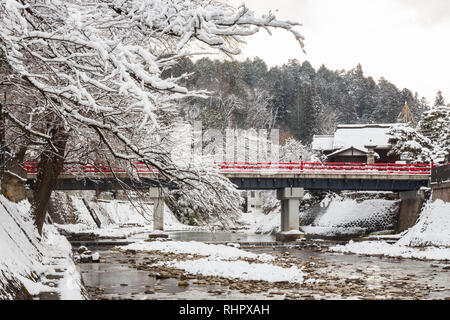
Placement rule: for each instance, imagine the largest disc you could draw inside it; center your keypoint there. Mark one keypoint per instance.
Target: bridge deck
(313, 176)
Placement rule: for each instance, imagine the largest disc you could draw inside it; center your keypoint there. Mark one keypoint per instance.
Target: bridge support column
(157, 197)
(410, 206)
(290, 201)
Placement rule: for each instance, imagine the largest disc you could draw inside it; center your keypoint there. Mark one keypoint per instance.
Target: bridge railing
(139, 167)
(263, 168)
(324, 168)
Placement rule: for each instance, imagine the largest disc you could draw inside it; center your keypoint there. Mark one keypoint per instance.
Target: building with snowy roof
(359, 143)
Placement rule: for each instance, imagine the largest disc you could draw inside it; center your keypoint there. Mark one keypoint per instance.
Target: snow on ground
(27, 258)
(393, 250)
(428, 239)
(221, 261)
(238, 270)
(219, 252)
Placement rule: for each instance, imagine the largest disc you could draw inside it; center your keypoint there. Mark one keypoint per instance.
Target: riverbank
(31, 266)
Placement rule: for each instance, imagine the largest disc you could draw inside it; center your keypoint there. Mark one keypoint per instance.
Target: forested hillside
(295, 97)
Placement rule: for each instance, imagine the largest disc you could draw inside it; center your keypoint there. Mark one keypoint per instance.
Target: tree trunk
(49, 168)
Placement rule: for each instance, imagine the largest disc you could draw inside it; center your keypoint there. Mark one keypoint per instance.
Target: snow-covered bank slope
(26, 258)
(334, 215)
(431, 231)
(342, 215)
(118, 218)
(432, 227)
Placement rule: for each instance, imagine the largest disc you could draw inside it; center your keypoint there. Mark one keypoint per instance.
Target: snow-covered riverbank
(428, 239)
(335, 215)
(117, 218)
(30, 264)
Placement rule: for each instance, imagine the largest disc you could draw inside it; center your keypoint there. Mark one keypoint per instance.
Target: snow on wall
(115, 212)
(370, 214)
(26, 257)
(335, 215)
(118, 218)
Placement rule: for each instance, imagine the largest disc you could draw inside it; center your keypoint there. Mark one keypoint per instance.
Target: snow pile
(26, 258)
(431, 233)
(219, 252)
(238, 270)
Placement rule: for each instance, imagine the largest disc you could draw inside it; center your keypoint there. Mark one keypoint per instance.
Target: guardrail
(265, 168)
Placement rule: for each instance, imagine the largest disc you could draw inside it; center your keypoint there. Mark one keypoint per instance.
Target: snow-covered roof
(322, 142)
(350, 151)
(354, 135)
(359, 136)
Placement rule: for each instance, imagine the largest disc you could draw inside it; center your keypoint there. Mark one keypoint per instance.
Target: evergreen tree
(439, 101)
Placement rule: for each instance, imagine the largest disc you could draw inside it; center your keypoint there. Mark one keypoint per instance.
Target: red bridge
(264, 168)
(265, 175)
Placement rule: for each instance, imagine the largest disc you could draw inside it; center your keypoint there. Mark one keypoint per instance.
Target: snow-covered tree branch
(93, 71)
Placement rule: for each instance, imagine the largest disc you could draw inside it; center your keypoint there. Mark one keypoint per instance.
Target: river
(341, 276)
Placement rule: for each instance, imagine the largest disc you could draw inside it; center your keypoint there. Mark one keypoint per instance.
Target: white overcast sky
(405, 41)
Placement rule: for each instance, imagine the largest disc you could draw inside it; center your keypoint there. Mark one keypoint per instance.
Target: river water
(382, 278)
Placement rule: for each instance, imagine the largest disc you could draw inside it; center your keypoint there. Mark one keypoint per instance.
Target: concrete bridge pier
(410, 207)
(290, 201)
(156, 195)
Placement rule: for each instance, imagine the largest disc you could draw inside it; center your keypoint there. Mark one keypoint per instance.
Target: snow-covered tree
(294, 151)
(435, 125)
(430, 141)
(439, 101)
(93, 69)
(410, 145)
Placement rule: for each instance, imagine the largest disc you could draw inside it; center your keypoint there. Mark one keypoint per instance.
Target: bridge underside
(247, 183)
(329, 184)
(104, 184)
